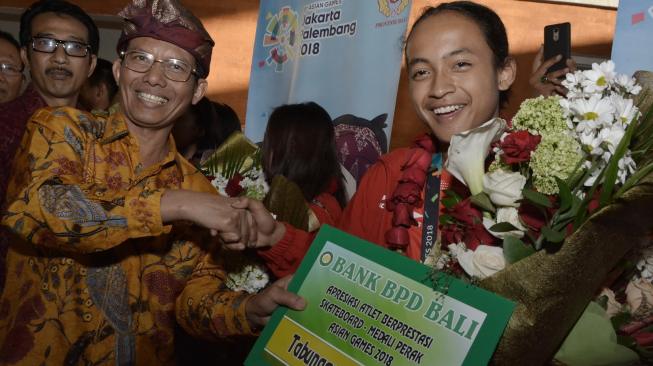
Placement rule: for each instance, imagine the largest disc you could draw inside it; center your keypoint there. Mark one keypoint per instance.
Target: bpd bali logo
(281, 37)
(391, 8)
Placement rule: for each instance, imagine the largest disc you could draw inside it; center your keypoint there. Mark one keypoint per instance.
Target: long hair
(299, 144)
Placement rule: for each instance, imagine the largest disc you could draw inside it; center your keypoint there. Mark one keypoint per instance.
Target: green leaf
(553, 236)
(612, 169)
(503, 227)
(453, 194)
(449, 202)
(566, 198)
(515, 250)
(536, 198)
(286, 200)
(634, 179)
(446, 219)
(482, 200)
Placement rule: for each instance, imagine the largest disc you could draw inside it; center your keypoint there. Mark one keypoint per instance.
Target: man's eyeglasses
(10, 70)
(173, 69)
(49, 45)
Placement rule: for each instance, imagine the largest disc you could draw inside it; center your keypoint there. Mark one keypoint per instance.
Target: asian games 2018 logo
(281, 35)
(391, 8)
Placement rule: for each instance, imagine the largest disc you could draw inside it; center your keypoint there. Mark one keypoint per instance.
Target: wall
(232, 23)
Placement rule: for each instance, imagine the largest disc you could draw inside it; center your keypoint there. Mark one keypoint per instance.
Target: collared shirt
(13, 118)
(94, 276)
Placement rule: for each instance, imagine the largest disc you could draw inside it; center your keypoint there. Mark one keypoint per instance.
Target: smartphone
(557, 41)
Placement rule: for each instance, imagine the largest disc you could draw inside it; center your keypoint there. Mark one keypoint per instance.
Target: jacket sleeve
(285, 256)
(365, 216)
(54, 201)
(207, 308)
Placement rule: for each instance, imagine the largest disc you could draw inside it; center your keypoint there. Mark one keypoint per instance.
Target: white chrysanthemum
(610, 137)
(628, 84)
(592, 113)
(252, 278)
(599, 77)
(627, 167)
(591, 143)
(573, 83)
(624, 109)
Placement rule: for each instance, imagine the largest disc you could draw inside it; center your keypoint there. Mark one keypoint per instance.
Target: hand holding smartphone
(557, 41)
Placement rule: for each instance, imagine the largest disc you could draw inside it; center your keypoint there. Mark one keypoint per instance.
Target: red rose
(518, 146)
(451, 234)
(465, 213)
(233, 188)
(468, 227)
(476, 235)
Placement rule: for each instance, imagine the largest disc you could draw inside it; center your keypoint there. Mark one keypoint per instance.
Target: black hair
(103, 74)
(59, 7)
(300, 144)
(487, 20)
(10, 38)
(217, 120)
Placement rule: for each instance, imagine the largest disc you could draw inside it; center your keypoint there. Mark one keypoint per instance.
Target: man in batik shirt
(59, 47)
(108, 254)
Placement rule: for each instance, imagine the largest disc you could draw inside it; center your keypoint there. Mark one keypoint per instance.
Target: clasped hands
(240, 223)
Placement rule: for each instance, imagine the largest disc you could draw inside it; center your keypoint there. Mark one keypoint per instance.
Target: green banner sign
(367, 305)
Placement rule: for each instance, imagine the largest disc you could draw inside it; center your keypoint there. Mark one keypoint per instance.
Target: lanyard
(431, 206)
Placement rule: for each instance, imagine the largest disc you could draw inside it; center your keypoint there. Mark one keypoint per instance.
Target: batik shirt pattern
(94, 277)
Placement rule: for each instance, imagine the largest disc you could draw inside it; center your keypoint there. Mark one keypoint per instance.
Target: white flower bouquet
(558, 205)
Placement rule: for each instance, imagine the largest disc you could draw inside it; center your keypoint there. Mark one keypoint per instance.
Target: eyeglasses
(173, 69)
(10, 70)
(49, 45)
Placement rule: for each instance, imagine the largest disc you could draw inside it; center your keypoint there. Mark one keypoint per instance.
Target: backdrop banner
(342, 54)
(630, 49)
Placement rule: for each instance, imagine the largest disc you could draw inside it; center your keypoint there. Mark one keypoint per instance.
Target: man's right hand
(260, 307)
(235, 226)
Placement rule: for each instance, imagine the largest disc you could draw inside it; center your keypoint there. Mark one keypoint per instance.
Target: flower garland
(408, 193)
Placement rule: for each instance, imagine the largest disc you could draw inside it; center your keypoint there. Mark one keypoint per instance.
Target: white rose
(483, 262)
(504, 188)
(639, 292)
(509, 215)
(614, 307)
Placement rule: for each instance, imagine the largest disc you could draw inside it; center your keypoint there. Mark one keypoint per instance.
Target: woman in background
(203, 128)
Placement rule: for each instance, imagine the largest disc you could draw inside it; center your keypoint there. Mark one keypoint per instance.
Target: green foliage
(515, 250)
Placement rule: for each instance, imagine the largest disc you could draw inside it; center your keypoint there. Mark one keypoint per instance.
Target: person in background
(100, 88)
(299, 144)
(114, 231)
(11, 68)
(548, 84)
(59, 45)
(459, 75)
(204, 127)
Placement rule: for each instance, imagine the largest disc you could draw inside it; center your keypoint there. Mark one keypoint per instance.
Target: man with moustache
(59, 45)
(11, 68)
(113, 244)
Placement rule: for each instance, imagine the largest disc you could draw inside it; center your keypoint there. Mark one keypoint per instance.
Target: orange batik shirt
(93, 276)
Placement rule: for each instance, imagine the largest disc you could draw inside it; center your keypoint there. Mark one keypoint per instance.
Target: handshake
(240, 223)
